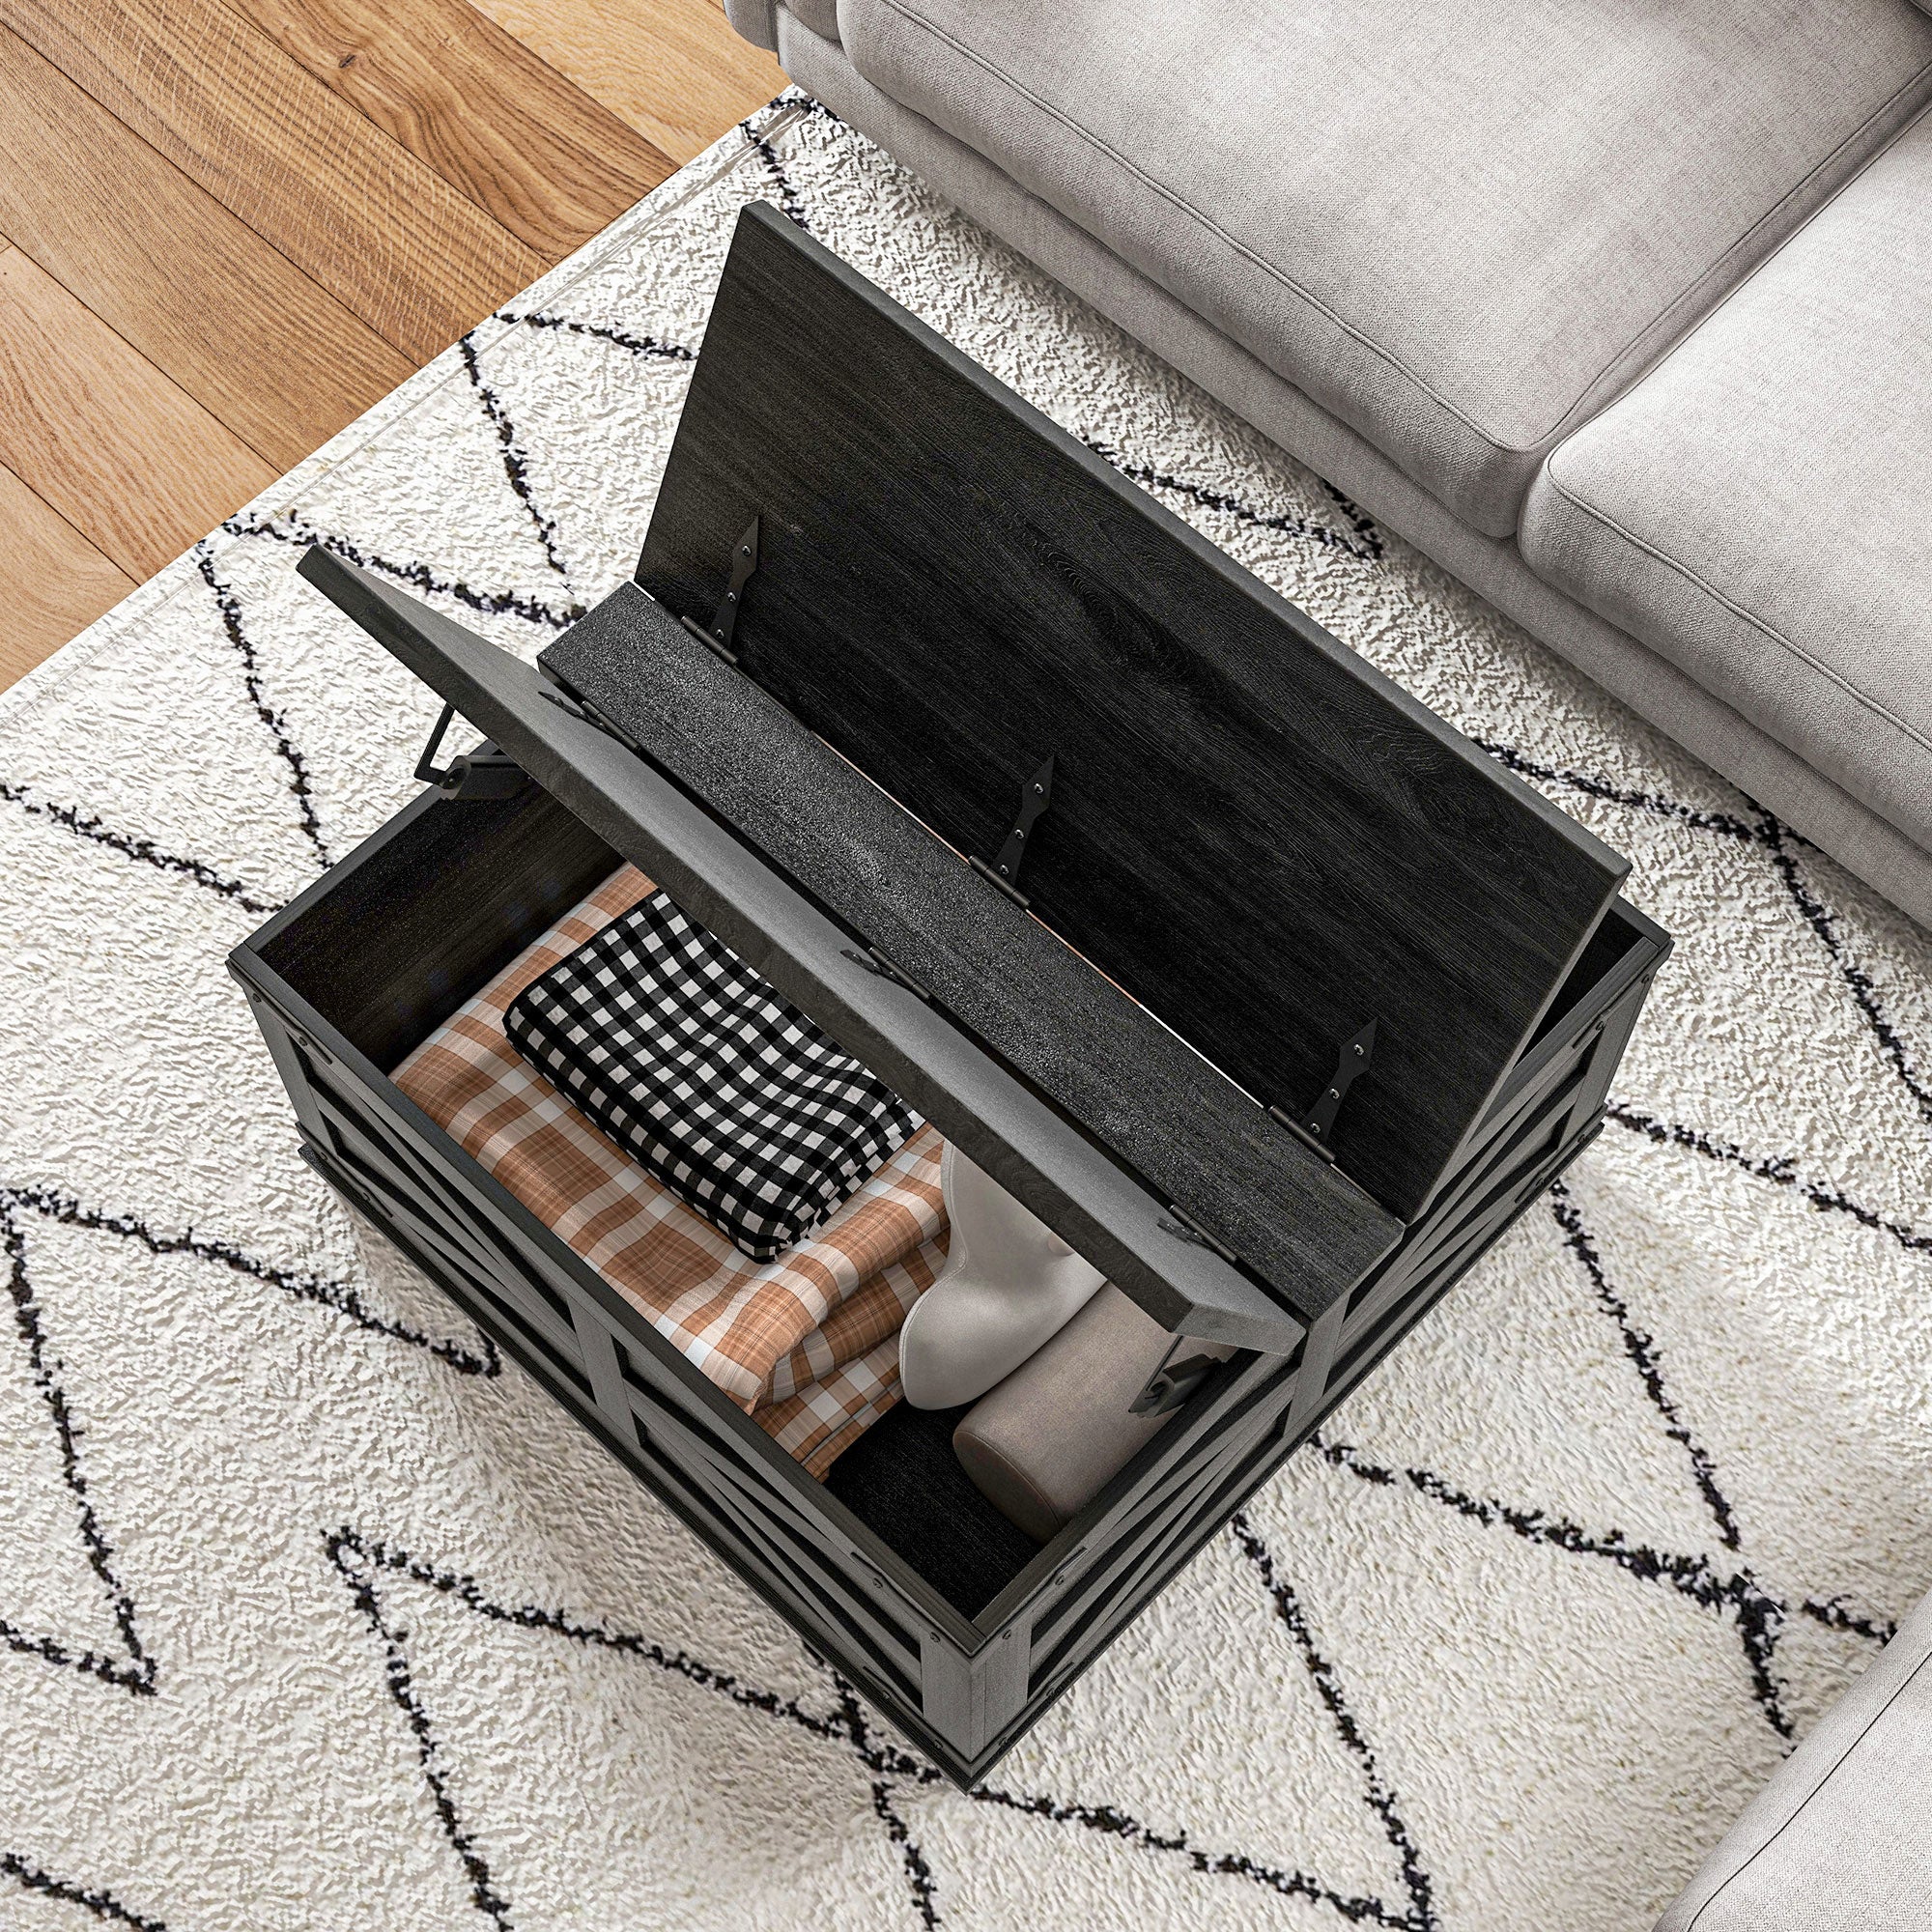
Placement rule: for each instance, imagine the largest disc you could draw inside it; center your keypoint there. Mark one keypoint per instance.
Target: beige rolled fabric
(1042, 1444)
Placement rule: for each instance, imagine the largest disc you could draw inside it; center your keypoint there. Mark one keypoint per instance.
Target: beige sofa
(1619, 312)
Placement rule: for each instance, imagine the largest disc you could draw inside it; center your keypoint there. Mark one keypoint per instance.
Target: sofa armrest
(754, 20)
(1843, 1836)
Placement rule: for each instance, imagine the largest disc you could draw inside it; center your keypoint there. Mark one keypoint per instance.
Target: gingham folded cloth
(705, 1073)
(807, 1344)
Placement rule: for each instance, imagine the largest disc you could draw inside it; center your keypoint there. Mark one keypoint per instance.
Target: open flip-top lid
(1253, 833)
(1255, 848)
(807, 869)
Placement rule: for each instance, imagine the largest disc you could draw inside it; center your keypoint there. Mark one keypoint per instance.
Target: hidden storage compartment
(389, 946)
(896, 1564)
(1338, 885)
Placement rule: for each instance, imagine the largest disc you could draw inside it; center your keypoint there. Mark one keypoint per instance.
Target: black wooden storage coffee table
(1260, 986)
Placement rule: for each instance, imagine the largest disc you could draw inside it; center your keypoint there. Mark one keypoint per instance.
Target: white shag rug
(317, 1614)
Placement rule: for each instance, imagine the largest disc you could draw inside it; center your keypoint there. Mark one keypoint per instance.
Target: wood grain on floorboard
(673, 69)
(128, 458)
(417, 260)
(101, 212)
(235, 225)
(546, 160)
(54, 582)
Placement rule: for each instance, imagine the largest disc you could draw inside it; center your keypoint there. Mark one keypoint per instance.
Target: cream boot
(1009, 1285)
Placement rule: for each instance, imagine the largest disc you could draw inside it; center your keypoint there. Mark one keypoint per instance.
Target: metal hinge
(724, 619)
(556, 692)
(1036, 795)
(876, 962)
(1184, 1226)
(1315, 1124)
(479, 775)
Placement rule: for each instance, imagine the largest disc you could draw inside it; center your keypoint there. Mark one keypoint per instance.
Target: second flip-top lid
(1255, 834)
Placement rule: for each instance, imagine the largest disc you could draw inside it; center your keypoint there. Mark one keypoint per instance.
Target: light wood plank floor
(228, 226)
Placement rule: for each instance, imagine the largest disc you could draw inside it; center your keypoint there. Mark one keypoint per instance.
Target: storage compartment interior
(392, 943)
(398, 938)
(411, 929)
(902, 1481)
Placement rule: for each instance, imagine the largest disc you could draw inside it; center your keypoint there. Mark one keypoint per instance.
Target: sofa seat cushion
(1759, 509)
(1842, 1837)
(1458, 228)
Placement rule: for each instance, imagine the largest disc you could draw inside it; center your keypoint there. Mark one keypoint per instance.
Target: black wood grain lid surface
(1257, 835)
(1131, 1083)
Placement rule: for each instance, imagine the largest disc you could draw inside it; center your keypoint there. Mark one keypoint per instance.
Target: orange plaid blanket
(806, 1344)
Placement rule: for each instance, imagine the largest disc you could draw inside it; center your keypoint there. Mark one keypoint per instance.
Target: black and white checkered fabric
(715, 1084)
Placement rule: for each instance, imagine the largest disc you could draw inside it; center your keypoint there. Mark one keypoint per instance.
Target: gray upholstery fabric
(820, 15)
(1841, 1841)
(1687, 513)
(1650, 684)
(756, 20)
(1458, 228)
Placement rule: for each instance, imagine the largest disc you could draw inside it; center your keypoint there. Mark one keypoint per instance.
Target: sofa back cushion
(1461, 233)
